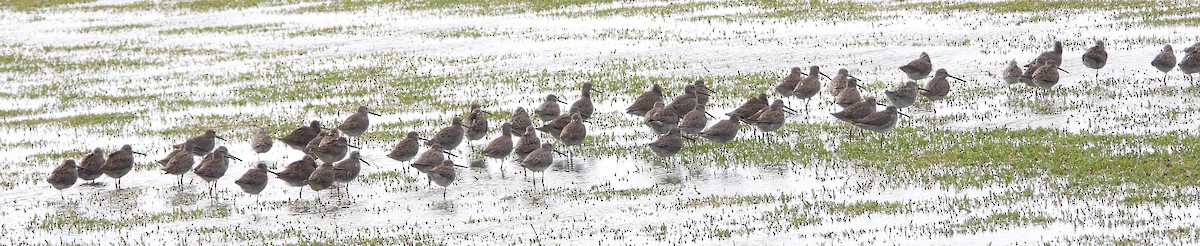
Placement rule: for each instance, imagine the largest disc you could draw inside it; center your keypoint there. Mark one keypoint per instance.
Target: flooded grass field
(1105, 157)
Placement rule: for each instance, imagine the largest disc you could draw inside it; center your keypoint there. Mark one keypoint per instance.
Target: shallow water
(609, 196)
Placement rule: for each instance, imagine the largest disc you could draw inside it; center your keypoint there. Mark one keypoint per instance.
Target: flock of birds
(685, 113)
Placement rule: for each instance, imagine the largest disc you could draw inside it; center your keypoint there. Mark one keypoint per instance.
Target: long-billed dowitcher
(261, 142)
(528, 143)
(772, 118)
(539, 160)
(938, 87)
(348, 169)
(356, 124)
(723, 131)
(205, 142)
(519, 120)
(443, 175)
(450, 136)
(644, 102)
(661, 118)
(918, 69)
(880, 122)
(1190, 63)
(1052, 55)
(751, 106)
(64, 176)
(687, 101)
(1164, 61)
(322, 137)
(1027, 76)
(254, 180)
(838, 82)
(858, 110)
(332, 151)
(299, 138)
(789, 82)
(549, 108)
(809, 86)
(297, 172)
(476, 123)
(572, 135)
(1095, 57)
(119, 163)
(89, 168)
(554, 127)
(668, 144)
(500, 147)
(431, 158)
(407, 148)
(905, 95)
(213, 166)
(1047, 75)
(321, 178)
(1012, 73)
(181, 162)
(850, 94)
(704, 92)
(693, 122)
(584, 104)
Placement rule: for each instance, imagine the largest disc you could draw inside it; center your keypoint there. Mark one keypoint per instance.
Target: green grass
(75, 221)
(100, 119)
(30, 5)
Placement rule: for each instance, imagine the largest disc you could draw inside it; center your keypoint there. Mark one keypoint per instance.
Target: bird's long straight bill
(373, 113)
(905, 115)
(221, 138)
(1060, 69)
(790, 109)
(352, 146)
(457, 165)
(560, 153)
(826, 76)
(140, 153)
(709, 115)
(952, 76)
(364, 161)
(233, 157)
(448, 153)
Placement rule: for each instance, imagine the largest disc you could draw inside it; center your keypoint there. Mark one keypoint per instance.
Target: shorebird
(321, 178)
(687, 101)
(1095, 57)
(668, 144)
(261, 142)
(584, 104)
(809, 86)
(519, 120)
(407, 148)
(528, 143)
(355, 125)
(572, 135)
(1027, 76)
(332, 151)
(918, 69)
(443, 175)
(751, 106)
(322, 137)
(1052, 55)
(539, 160)
(476, 124)
(348, 169)
(704, 92)
(858, 110)
(549, 108)
(431, 158)
(297, 172)
(213, 167)
(938, 87)
(723, 131)
(838, 82)
(254, 180)
(298, 139)
(880, 122)
(693, 122)
(1165, 61)
(64, 176)
(644, 102)
(903, 96)
(1012, 73)
(500, 147)
(850, 94)
(1047, 75)
(1191, 62)
(449, 137)
(772, 118)
(789, 82)
(205, 142)
(89, 168)
(119, 163)
(181, 162)
(661, 118)
(554, 127)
